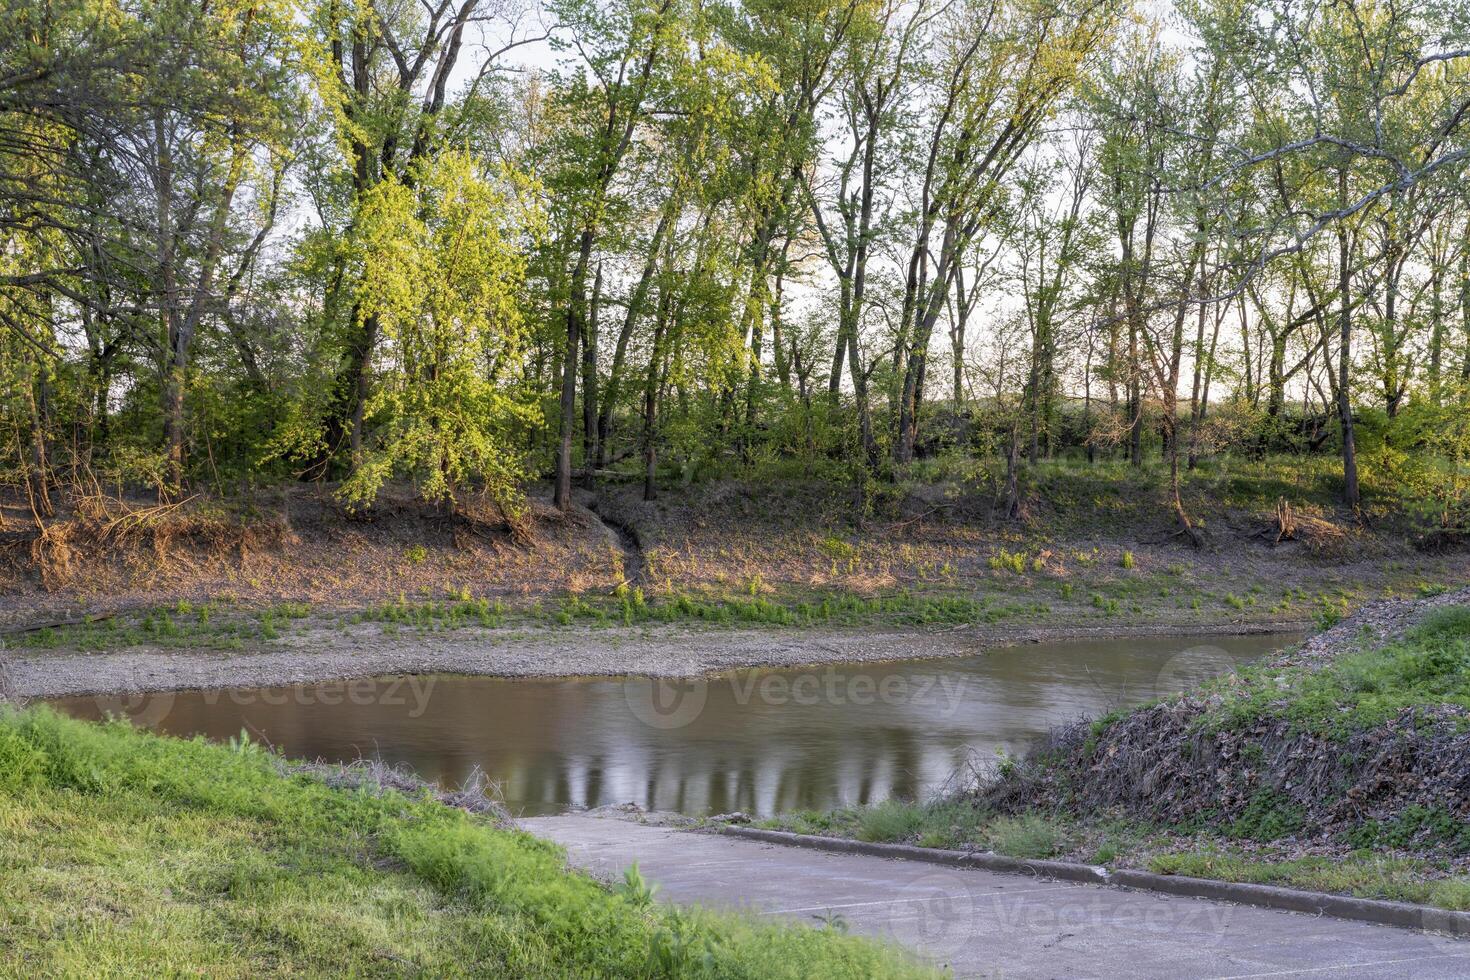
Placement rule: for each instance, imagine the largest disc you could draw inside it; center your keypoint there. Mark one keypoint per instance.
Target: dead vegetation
(783, 539)
(1269, 774)
(99, 527)
(1321, 537)
(477, 794)
(100, 552)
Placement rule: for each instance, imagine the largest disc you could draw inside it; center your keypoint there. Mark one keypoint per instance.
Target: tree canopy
(475, 244)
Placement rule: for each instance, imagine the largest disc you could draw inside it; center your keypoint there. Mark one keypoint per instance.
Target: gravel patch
(319, 651)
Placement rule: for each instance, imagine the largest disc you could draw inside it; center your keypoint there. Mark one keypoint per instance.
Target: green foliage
(891, 820)
(1026, 836)
(436, 615)
(442, 272)
(1268, 816)
(210, 625)
(1004, 560)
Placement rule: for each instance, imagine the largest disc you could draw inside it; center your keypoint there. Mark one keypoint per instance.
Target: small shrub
(1003, 561)
(1329, 613)
(1127, 560)
(838, 549)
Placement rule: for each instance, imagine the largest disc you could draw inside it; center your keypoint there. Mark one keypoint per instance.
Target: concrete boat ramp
(984, 924)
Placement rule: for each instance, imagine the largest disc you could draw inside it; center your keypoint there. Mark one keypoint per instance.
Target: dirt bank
(319, 652)
(1098, 547)
(1361, 734)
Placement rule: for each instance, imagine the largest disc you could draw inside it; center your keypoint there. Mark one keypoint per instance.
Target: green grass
(941, 823)
(461, 611)
(1362, 873)
(182, 625)
(1428, 666)
(1119, 843)
(631, 606)
(625, 606)
(124, 853)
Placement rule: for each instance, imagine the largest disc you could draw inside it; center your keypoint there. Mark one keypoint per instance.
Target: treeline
(468, 243)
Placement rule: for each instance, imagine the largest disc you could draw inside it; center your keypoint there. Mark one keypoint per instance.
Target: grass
(1361, 873)
(954, 824)
(127, 853)
(461, 611)
(1429, 665)
(630, 606)
(208, 628)
(942, 823)
(183, 624)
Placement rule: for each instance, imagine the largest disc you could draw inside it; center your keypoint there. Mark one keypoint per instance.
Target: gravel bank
(325, 652)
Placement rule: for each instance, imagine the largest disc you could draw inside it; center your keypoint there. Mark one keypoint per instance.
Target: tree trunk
(562, 488)
(38, 479)
(589, 384)
(1013, 480)
(1350, 492)
(650, 396)
(625, 334)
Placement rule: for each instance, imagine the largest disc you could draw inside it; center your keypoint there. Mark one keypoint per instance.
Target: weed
(1004, 560)
(1026, 836)
(1268, 816)
(890, 821)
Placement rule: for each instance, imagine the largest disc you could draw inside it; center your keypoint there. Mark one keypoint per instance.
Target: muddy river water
(762, 741)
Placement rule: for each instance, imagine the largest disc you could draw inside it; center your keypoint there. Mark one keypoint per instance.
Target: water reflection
(759, 741)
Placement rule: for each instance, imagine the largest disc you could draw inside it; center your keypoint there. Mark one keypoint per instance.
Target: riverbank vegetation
(132, 854)
(778, 552)
(1024, 260)
(1340, 765)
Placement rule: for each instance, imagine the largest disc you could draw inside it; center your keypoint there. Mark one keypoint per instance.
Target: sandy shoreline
(315, 654)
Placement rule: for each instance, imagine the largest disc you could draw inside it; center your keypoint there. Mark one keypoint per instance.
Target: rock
(736, 817)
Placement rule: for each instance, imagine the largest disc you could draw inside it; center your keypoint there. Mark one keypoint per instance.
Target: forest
(479, 245)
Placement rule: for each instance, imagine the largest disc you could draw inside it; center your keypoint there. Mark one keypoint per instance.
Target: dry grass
(780, 540)
(295, 545)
